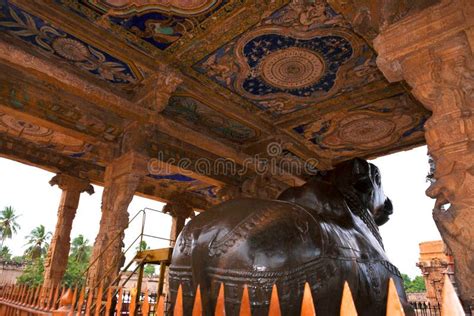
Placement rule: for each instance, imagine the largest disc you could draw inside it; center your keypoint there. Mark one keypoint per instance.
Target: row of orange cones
(68, 303)
(451, 305)
(71, 304)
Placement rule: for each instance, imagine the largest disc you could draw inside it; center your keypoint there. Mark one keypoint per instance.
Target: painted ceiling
(297, 57)
(254, 72)
(146, 24)
(54, 41)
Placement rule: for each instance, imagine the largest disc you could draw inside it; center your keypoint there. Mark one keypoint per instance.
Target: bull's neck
(356, 206)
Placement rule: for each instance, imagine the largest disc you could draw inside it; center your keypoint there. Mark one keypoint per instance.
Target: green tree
(80, 249)
(18, 259)
(37, 242)
(78, 262)
(5, 254)
(406, 280)
(73, 276)
(142, 246)
(33, 273)
(416, 285)
(8, 224)
(149, 269)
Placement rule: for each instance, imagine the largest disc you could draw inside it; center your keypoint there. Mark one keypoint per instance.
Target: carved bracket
(179, 208)
(70, 183)
(157, 89)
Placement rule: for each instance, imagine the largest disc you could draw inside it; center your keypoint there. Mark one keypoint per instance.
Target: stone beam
(208, 143)
(258, 186)
(51, 106)
(58, 251)
(151, 189)
(97, 34)
(30, 154)
(370, 93)
(435, 57)
(68, 81)
(33, 155)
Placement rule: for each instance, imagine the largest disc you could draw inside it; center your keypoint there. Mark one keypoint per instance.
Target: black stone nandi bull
(324, 233)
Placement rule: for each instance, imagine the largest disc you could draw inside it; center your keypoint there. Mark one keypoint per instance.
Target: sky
(27, 190)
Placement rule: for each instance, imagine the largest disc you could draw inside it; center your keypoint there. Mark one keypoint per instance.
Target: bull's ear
(360, 167)
(361, 175)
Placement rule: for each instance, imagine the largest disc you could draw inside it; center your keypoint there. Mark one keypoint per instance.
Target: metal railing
(117, 236)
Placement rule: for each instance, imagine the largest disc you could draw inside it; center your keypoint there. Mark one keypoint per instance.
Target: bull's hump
(273, 231)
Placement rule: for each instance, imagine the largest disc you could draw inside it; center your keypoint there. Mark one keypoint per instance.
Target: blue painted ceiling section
(34, 30)
(335, 50)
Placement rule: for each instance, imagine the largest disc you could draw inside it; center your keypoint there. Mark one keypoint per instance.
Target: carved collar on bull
(356, 206)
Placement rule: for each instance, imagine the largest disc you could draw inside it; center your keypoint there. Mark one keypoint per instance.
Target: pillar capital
(71, 183)
(132, 163)
(179, 209)
(419, 35)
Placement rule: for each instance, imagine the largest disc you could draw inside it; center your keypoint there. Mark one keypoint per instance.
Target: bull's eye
(378, 180)
(363, 185)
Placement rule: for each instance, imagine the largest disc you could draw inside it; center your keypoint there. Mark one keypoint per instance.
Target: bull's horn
(359, 166)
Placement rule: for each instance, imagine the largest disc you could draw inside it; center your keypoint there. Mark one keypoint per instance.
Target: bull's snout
(383, 216)
(388, 207)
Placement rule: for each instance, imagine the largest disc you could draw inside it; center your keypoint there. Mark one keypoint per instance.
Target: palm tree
(8, 224)
(37, 242)
(80, 248)
(5, 253)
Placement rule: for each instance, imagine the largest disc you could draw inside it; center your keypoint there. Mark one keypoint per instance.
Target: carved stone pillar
(58, 252)
(433, 52)
(179, 213)
(122, 178)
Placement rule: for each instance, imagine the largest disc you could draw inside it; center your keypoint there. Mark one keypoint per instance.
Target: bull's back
(246, 241)
(259, 243)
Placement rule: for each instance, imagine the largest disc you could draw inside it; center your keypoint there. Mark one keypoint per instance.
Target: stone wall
(9, 272)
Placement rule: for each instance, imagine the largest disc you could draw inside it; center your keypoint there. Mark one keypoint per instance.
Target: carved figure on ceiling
(161, 30)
